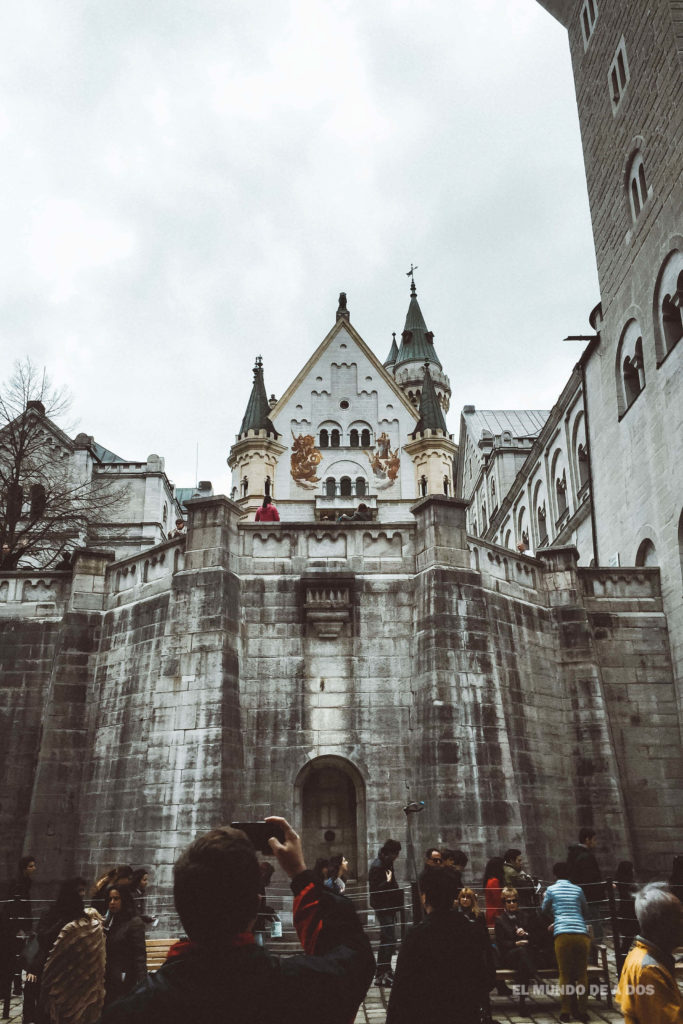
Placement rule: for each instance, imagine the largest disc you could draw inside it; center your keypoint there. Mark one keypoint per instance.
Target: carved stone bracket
(327, 603)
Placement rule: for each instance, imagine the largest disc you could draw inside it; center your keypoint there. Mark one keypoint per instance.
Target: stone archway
(330, 799)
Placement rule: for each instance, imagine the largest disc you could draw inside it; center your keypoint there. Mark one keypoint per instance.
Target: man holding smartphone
(220, 973)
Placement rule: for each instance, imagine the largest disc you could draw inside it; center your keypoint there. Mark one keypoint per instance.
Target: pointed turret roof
(417, 343)
(393, 352)
(258, 408)
(431, 413)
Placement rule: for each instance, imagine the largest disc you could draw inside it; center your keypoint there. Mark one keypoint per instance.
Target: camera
(259, 832)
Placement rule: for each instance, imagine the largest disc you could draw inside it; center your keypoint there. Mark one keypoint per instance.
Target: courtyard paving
(537, 1010)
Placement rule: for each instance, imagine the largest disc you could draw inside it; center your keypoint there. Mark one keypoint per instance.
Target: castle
(499, 637)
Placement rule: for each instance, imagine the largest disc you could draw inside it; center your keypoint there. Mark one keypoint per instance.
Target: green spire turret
(417, 343)
(257, 416)
(393, 352)
(431, 413)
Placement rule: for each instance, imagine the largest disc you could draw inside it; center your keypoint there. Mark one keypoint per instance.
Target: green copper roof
(258, 410)
(431, 413)
(393, 352)
(417, 343)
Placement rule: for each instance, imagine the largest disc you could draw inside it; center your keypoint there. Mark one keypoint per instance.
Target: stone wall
(518, 697)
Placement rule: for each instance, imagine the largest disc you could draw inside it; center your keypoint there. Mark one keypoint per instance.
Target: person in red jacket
(267, 513)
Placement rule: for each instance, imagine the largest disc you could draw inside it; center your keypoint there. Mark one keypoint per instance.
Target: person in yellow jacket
(647, 992)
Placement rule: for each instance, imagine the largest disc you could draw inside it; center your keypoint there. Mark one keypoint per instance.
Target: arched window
(354, 440)
(446, 486)
(335, 438)
(345, 487)
(637, 185)
(542, 525)
(324, 438)
(561, 494)
(145, 571)
(493, 494)
(360, 487)
(582, 459)
(266, 488)
(647, 553)
(330, 487)
(365, 438)
(164, 515)
(508, 539)
(484, 521)
(245, 486)
(38, 500)
(423, 486)
(630, 368)
(668, 304)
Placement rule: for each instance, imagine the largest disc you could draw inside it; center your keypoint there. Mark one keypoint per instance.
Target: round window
(343, 404)
(330, 836)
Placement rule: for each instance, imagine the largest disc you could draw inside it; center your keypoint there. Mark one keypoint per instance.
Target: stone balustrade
(147, 573)
(295, 548)
(39, 593)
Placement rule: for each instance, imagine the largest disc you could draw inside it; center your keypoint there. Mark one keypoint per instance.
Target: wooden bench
(157, 951)
(598, 974)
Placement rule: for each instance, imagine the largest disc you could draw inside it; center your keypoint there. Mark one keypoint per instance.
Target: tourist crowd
(86, 960)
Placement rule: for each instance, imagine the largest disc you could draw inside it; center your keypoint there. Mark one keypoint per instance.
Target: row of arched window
(332, 438)
(668, 330)
(345, 487)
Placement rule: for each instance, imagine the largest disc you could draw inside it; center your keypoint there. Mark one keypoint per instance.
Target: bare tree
(48, 501)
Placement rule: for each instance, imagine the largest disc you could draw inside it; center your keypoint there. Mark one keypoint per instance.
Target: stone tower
(407, 363)
(254, 456)
(432, 448)
(628, 69)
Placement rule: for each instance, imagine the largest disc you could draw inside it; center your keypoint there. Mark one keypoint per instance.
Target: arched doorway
(330, 793)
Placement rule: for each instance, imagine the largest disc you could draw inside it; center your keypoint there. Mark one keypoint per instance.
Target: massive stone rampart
(335, 672)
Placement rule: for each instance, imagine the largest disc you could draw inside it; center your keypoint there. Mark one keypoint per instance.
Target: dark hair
(319, 867)
(511, 854)
(624, 872)
(335, 865)
(586, 833)
(493, 869)
(390, 846)
(69, 903)
(266, 871)
(137, 876)
(440, 888)
(561, 869)
(124, 872)
(460, 858)
(266, 501)
(216, 884)
(430, 850)
(25, 861)
(123, 888)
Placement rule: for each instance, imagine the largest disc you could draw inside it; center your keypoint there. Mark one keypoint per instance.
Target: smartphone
(259, 832)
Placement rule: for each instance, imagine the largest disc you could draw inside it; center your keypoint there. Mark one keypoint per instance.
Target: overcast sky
(189, 185)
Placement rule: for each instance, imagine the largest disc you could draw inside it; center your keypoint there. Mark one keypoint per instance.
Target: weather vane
(412, 271)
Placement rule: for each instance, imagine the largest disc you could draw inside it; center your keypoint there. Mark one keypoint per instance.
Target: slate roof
(104, 455)
(393, 352)
(420, 344)
(431, 414)
(520, 422)
(257, 415)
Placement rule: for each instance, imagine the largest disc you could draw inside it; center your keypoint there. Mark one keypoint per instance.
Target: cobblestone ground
(537, 1010)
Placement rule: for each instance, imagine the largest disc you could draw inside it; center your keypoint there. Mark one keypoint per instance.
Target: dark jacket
(506, 932)
(243, 982)
(383, 895)
(126, 956)
(441, 972)
(584, 870)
